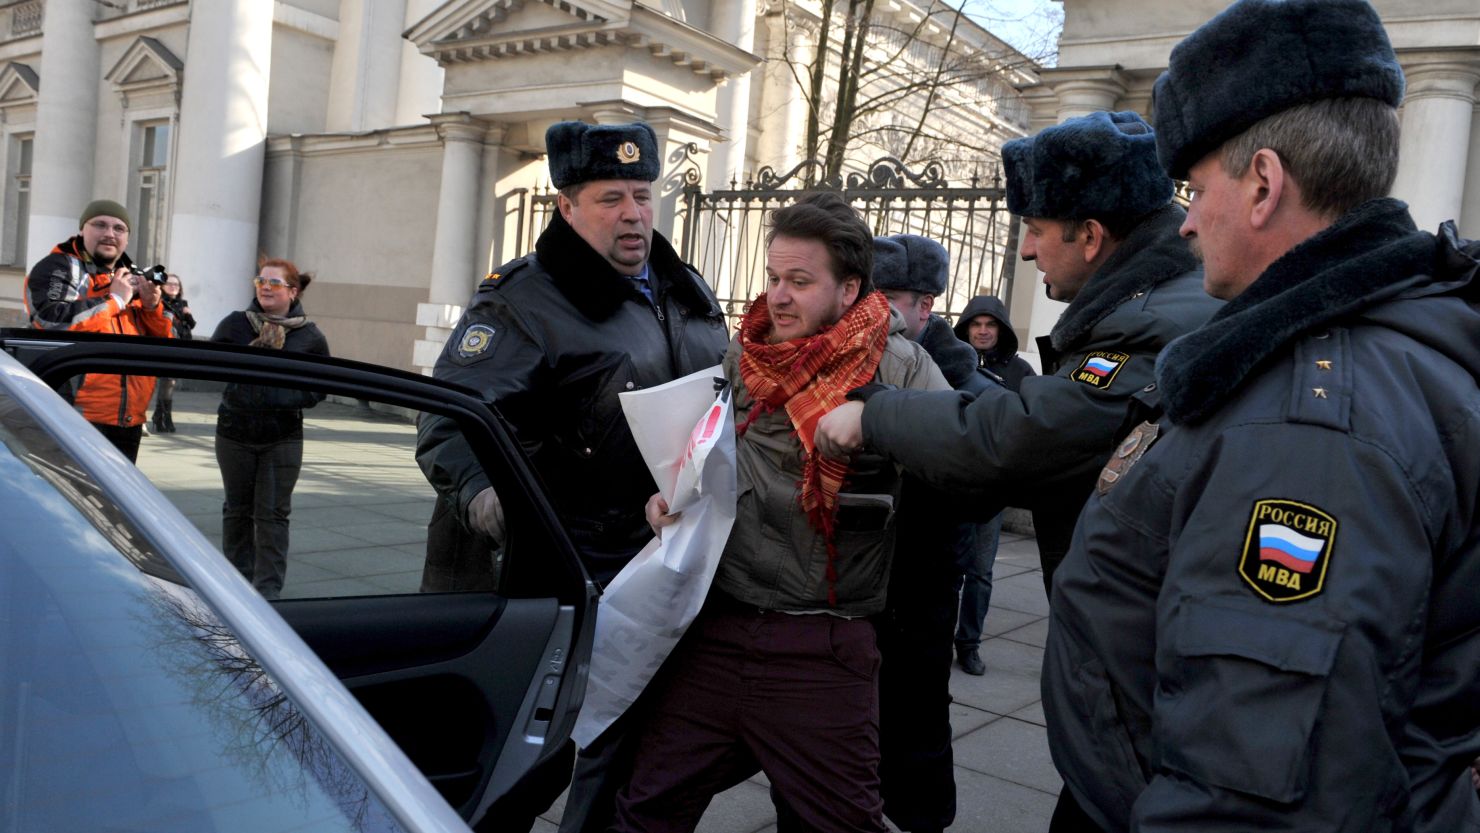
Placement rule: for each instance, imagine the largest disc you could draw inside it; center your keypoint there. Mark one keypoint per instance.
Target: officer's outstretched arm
(1054, 427)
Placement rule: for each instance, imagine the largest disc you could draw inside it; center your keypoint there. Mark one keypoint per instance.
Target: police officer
(1102, 228)
(1269, 619)
(916, 775)
(603, 305)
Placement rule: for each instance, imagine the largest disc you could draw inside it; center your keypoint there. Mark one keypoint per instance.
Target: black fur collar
(597, 290)
(1371, 254)
(1151, 254)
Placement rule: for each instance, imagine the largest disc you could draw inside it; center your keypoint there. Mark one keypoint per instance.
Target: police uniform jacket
(1270, 620)
(552, 338)
(1058, 428)
(774, 559)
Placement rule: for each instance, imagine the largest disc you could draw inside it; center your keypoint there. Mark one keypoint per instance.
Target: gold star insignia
(1319, 392)
(1323, 364)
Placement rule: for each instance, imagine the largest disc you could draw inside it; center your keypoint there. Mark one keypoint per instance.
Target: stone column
(366, 71)
(222, 143)
(454, 261)
(1084, 90)
(783, 107)
(1469, 221)
(66, 125)
(1438, 109)
(735, 23)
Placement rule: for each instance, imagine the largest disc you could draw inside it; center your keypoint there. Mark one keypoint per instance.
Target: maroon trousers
(795, 696)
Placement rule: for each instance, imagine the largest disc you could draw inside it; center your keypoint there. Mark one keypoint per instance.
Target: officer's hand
(657, 514)
(123, 285)
(486, 515)
(149, 292)
(840, 431)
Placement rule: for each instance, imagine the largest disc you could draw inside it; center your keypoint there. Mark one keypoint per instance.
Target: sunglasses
(275, 283)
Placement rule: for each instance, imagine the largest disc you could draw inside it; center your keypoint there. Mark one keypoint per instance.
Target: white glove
(486, 515)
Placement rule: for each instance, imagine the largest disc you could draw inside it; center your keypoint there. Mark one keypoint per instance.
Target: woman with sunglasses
(259, 429)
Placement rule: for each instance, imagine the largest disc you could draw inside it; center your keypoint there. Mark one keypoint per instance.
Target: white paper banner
(686, 433)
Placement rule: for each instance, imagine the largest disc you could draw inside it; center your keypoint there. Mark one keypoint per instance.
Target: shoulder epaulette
(501, 276)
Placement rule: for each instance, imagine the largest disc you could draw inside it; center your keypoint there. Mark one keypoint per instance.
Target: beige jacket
(774, 559)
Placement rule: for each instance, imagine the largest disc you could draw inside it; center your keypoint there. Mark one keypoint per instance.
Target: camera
(155, 274)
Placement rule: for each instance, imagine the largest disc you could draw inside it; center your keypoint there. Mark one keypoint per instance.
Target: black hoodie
(1003, 359)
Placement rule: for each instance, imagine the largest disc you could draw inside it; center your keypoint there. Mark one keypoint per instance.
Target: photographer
(88, 284)
(184, 324)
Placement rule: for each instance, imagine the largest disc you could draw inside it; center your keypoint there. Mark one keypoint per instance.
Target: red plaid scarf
(809, 377)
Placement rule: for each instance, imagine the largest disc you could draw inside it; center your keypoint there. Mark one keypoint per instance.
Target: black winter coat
(1270, 621)
(551, 339)
(1043, 446)
(265, 413)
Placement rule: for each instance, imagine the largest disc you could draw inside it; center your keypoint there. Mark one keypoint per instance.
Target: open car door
(474, 661)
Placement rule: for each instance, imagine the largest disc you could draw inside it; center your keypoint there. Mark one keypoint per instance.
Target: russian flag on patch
(1099, 366)
(1288, 548)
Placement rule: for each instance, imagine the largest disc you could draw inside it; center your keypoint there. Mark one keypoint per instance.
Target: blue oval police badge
(475, 340)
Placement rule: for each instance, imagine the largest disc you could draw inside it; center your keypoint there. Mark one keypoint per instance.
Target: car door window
(126, 703)
(323, 500)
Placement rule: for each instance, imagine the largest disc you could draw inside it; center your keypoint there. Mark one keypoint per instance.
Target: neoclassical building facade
(391, 146)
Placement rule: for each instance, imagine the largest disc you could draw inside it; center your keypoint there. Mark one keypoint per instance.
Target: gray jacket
(774, 559)
(1270, 620)
(1059, 427)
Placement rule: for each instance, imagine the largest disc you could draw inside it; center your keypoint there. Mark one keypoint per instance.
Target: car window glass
(313, 496)
(127, 704)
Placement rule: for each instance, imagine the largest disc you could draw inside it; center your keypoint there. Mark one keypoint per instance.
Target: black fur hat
(1101, 165)
(581, 152)
(910, 262)
(1260, 57)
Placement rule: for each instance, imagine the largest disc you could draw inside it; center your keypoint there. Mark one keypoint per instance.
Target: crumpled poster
(686, 433)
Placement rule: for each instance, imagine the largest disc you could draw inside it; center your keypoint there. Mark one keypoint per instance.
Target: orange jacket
(66, 290)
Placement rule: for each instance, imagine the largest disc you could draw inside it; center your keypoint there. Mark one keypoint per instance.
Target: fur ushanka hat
(1260, 57)
(910, 262)
(581, 152)
(1101, 165)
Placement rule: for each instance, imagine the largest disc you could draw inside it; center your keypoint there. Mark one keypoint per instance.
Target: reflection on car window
(125, 703)
(326, 503)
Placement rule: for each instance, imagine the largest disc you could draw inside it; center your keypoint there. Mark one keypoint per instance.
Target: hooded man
(984, 326)
(87, 285)
(1102, 228)
(1268, 619)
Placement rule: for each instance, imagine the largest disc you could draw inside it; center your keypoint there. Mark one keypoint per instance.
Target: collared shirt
(642, 283)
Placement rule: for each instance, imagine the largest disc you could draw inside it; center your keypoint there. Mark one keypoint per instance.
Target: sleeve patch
(475, 341)
(1287, 550)
(1099, 368)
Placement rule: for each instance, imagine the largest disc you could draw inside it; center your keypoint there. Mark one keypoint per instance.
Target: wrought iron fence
(722, 232)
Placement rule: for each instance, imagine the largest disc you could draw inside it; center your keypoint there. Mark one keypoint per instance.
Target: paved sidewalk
(1005, 782)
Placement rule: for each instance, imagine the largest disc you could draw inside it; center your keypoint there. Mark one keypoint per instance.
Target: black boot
(167, 408)
(159, 419)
